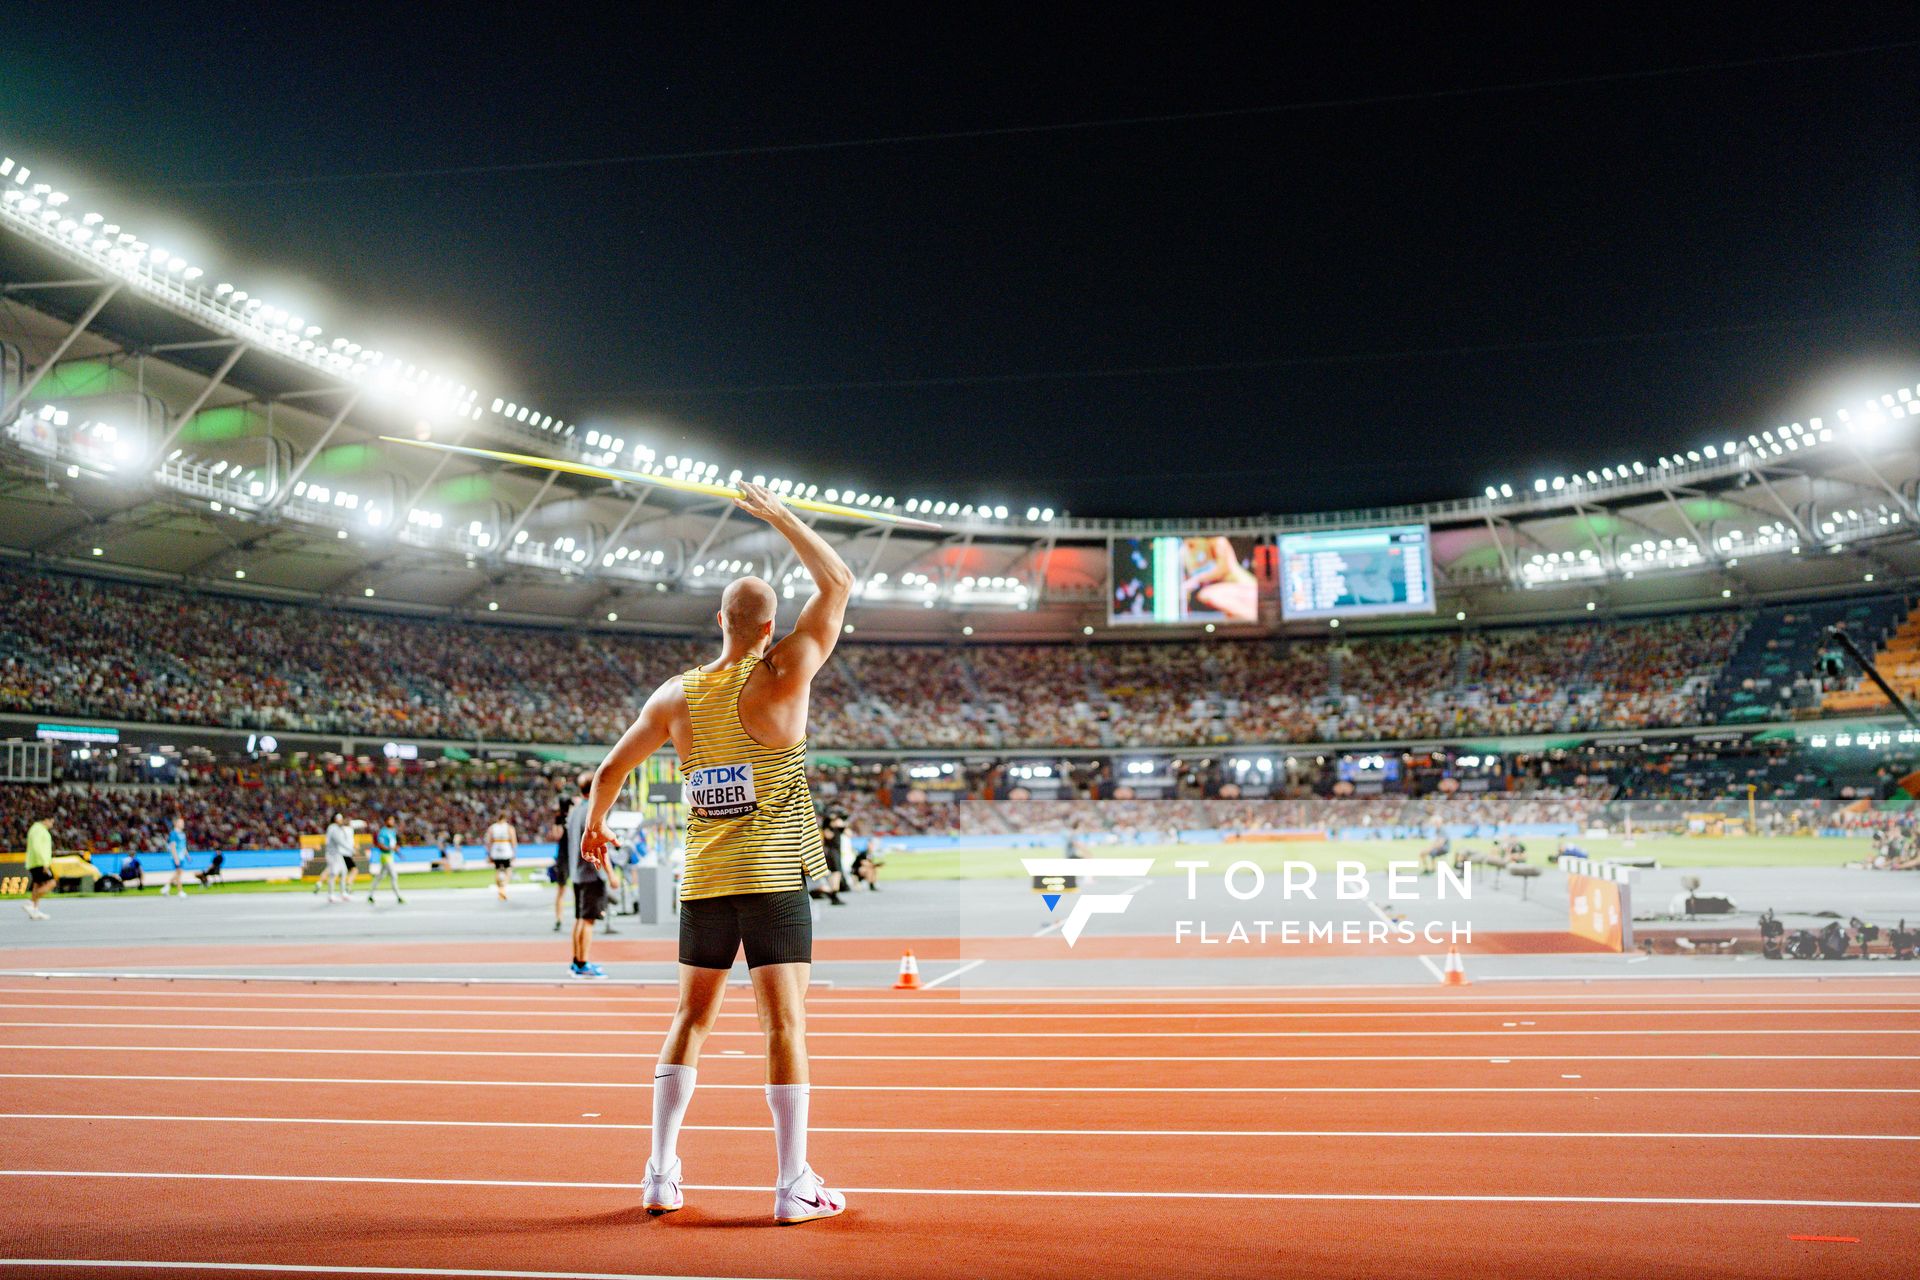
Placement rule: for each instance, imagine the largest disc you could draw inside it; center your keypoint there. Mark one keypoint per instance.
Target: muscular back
(773, 705)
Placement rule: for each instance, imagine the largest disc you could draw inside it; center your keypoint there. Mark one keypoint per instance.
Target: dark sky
(1415, 291)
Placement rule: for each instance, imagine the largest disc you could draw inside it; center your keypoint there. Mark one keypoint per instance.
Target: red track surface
(1608, 1129)
(1136, 946)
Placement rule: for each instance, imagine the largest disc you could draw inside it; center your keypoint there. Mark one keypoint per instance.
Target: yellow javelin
(664, 482)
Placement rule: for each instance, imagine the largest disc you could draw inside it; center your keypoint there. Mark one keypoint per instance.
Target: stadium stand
(1770, 674)
(1898, 661)
(84, 647)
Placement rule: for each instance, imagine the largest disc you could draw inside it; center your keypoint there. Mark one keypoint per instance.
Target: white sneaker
(165, 889)
(806, 1198)
(33, 912)
(662, 1192)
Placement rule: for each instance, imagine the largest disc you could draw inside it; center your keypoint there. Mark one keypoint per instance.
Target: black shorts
(37, 876)
(501, 864)
(775, 928)
(833, 857)
(352, 865)
(589, 899)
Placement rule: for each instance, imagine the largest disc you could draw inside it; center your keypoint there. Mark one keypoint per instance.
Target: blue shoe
(586, 970)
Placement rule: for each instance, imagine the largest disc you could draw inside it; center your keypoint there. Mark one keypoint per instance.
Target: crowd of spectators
(227, 815)
(1135, 818)
(75, 646)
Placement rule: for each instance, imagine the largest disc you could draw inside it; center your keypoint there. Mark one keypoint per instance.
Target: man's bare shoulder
(668, 695)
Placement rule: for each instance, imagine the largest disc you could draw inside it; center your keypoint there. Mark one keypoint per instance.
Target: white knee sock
(788, 1102)
(672, 1091)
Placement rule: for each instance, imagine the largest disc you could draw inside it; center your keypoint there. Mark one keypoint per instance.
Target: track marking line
(961, 1014)
(744, 1056)
(285, 1268)
(1419, 996)
(989, 1088)
(558, 984)
(1384, 918)
(948, 976)
(1865, 975)
(1828, 1239)
(1554, 1134)
(1048, 1193)
(1162, 993)
(1497, 1032)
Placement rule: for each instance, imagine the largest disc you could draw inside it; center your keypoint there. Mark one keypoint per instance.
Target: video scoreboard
(1356, 573)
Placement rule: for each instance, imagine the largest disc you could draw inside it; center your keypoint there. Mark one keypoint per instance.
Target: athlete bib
(723, 791)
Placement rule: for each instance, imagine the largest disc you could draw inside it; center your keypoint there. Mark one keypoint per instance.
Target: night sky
(1388, 275)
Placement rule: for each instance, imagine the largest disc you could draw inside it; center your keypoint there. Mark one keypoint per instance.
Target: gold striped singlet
(750, 820)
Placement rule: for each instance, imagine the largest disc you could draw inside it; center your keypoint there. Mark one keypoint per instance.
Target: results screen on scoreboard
(1356, 573)
(1183, 580)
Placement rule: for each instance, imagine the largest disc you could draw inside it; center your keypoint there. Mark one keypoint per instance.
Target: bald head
(746, 606)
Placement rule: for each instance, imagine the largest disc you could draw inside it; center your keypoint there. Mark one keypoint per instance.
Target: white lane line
(742, 1056)
(1384, 918)
(948, 976)
(1419, 996)
(961, 1013)
(1371, 1090)
(287, 1268)
(1496, 1032)
(1049, 1193)
(1599, 1134)
(1717, 975)
(376, 978)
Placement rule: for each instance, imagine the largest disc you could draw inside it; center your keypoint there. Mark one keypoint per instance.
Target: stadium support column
(873, 561)
(1906, 507)
(1500, 546)
(951, 570)
(1699, 539)
(520, 521)
(313, 451)
(1588, 516)
(639, 504)
(726, 513)
(1044, 563)
(1760, 474)
(41, 370)
(213, 384)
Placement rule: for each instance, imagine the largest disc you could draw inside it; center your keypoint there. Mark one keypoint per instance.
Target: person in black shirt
(562, 871)
(833, 836)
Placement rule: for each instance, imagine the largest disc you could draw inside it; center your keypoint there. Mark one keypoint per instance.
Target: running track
(1618, 1129)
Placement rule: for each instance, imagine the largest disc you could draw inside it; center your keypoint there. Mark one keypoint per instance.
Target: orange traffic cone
(1453, 975)
(909, 979)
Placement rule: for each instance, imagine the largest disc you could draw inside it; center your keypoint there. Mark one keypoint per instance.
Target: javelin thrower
(739, 726)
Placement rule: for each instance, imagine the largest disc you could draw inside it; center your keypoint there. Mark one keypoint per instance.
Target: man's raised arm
(805, 651)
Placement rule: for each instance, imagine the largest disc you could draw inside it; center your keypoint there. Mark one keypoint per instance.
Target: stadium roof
(163, 422)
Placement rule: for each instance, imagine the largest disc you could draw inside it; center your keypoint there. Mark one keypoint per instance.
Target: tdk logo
(1070, 870)
(721, 775)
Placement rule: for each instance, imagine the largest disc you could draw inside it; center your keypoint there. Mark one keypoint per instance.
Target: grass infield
(1004, 863)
